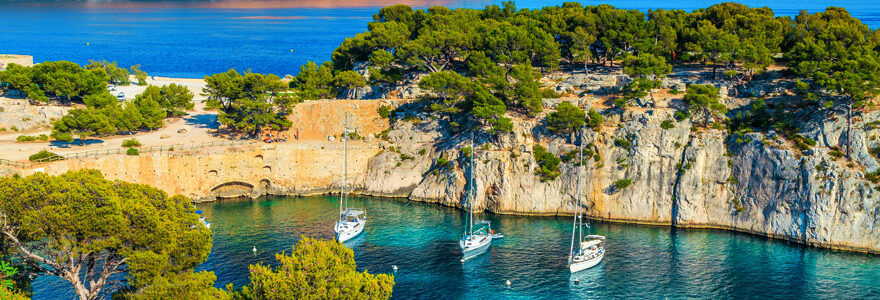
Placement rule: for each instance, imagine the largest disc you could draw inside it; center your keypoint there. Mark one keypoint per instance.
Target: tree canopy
(316, 270)
(566, 119)
(65, 225)
(249, 102)
(702, 100)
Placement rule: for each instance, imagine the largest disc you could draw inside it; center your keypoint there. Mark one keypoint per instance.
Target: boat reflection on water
(355, 242)
(587, 281)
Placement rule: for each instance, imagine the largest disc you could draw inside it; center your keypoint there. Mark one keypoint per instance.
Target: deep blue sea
(167, 40)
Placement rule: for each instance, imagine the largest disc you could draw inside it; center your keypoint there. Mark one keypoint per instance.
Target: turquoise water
(642, 262)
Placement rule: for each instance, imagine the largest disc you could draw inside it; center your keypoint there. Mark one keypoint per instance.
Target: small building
(24, 60)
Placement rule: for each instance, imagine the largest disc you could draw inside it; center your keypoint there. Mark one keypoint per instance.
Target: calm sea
(169, 40)
(642, 262)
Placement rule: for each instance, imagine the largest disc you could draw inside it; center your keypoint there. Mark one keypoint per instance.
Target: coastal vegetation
(87, 230)
(298, 276)
(250, 102)
(65, 225)
(485, 64)
(64, 80)
(105, 115)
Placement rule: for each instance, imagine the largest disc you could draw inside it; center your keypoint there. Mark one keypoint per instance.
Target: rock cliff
(686, 176)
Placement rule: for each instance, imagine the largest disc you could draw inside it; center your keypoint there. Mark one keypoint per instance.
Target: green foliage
(116, 74)
(682, 115)
(316, 270)
(312, 82)
(80, 219)
(467, 150)
(139, 74)
(132, 152)
(566, 119)
(151, 112)
(174, 99)
(349, 81)
(44, 155)
(8, 288)
(873, 177)
(132, 142)
(548, 164)
(55, 79)
(595, 119)
(501, 125)
(622, 143)
(622, 183)
(646, 71)
(837, 154)
(702, 99)
(183, 285)
(667, 124)
(26, 138)
(442, 162)
(450, 87)
(875, 151)
(384, 111)
(251, 102)
(82, 123)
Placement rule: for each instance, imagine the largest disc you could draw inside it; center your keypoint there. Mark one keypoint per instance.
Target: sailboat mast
(575, 223)
(580, 168)
(471, 190)
(345, 163)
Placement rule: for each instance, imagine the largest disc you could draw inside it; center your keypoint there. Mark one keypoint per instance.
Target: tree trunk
(79, 288)
(714, 68)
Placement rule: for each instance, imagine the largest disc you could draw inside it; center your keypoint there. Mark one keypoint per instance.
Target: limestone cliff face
(679, 177)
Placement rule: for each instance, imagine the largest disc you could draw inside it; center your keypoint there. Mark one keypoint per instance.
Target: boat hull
(575, 267)
(478, 246)
(347, 230)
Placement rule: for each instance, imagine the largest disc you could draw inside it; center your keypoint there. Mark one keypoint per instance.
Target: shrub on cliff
(566, 119)
(548, 163)
(622, 183)
(384, 111)
(595, 119)
(132, 152)
(702, 100)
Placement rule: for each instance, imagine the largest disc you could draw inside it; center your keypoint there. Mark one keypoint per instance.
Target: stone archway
(233, 189)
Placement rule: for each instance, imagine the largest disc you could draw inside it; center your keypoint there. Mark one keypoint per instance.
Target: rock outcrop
(21, 115)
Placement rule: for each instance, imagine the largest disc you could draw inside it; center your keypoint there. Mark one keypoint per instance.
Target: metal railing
(16, 164)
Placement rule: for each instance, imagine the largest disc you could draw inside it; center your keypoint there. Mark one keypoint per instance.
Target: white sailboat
(478, 234)
(590, 249)
(351, 221)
